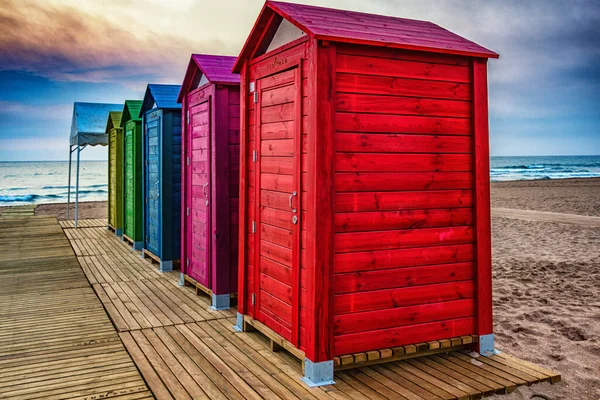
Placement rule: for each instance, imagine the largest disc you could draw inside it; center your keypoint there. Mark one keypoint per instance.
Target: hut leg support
(181, 279)
(138, 245)
(220, 302)
(239, 323)
(165, 266)
(118, 232)
(318, 373)
(486, 345)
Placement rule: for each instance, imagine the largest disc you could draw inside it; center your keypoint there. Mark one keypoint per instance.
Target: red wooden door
(199, 173)
(278, 117)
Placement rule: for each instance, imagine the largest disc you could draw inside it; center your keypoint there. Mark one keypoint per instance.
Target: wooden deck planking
(135, 295)
(184, 350)
(56, 340)
(84, 223)
(193, 356)
(153, 303)
(106, 259)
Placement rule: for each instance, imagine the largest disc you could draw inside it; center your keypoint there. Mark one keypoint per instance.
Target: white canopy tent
(88, 128)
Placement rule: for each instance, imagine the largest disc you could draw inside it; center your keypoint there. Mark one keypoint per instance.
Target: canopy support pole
(69, 187)
(79, 149)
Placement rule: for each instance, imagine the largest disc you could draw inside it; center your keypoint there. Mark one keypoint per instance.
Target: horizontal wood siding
(233, 129)
(404, 241)
(172, 222)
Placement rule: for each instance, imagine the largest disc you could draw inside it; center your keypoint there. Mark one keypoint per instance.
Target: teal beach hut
(161, 116)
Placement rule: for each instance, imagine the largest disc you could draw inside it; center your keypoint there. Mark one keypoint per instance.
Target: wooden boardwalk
(84, 223)
(56, 341)
(186, 351)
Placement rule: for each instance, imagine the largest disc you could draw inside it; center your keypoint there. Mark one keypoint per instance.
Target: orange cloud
(67, 43)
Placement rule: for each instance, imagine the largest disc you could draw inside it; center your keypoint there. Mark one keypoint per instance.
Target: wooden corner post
(243, 223)
(321, 91)
(184, 192)
(482, 206)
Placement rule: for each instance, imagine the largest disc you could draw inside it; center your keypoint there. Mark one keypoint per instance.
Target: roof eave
(477, 54)
(148, 99)
(186, 79)
(237, 67)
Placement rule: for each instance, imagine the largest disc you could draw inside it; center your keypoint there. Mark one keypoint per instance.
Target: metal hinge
(146, 200)
(146, 163)
(253, 226)
(251, 87)
(187, 262)
(187, 211)
(253, 298)
(255, 156)
(188, 116)
(256, 97)
(187, 161)
(146, 239)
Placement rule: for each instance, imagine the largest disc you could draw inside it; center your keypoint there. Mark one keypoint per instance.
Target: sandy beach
(87, 210)
(547, 283)
(546, 279)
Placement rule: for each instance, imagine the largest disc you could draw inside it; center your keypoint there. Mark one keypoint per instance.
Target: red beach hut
(210, 98)
(364, 201)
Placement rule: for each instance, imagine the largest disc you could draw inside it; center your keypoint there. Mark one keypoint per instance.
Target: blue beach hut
(162, 174)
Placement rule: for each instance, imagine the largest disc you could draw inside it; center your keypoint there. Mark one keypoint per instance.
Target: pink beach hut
(210, 98)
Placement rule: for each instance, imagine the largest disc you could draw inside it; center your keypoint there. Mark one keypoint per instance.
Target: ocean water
(30, 182)
(543, 167)
(27, 182)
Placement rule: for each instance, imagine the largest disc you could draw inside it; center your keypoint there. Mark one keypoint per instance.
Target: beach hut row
(334, 177)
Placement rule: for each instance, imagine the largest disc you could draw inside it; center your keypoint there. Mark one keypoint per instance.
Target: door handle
(204, 191)
(294, 193)
(157, 188)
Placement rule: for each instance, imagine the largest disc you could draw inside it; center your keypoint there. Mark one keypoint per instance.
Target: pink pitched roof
(217, 70)
(361, 28)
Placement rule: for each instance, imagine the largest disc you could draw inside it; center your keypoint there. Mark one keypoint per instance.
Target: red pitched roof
(361, 28)
(217, 70)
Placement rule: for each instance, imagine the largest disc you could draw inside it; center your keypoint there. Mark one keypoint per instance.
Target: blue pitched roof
(164, 96)
(88, 126)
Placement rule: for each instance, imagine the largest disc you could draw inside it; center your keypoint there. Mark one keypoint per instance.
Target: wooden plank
(400, 162)
(403, 219)
(386, 123)
(400, 105)
(384, 259)
(483, 226)
(383, 181)
(401, 143)
(554, 377)
(402, 316)
(393, 337)
(404, 238)
(150, 375)
(321, 71)
(400, 68)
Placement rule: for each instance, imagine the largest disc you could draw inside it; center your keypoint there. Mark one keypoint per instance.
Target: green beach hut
(131, 124)
(115, 172)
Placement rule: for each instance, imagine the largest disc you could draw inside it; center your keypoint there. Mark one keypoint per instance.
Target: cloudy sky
(544, 89)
